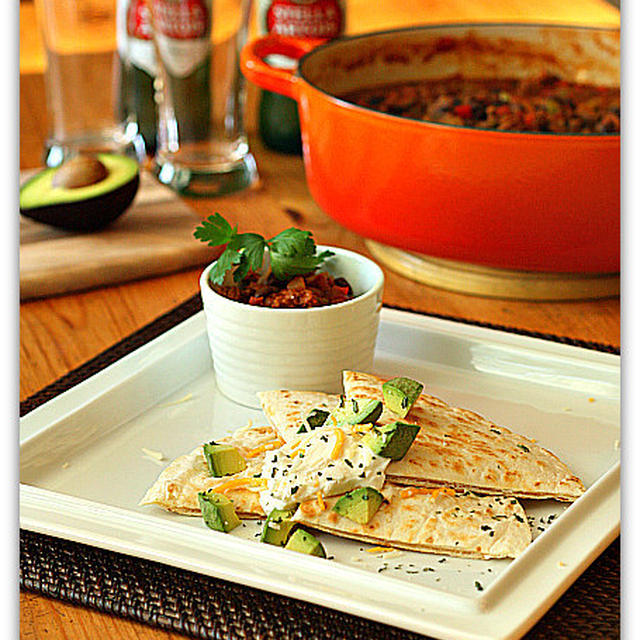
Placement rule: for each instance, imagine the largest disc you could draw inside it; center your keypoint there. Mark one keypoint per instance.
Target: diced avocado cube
(358, 412)
(391, 440)
(304, 542)
(400, 394)
(278, 527)
(217, 511)
(365, 412)
(223, 459)
(359, 505)
(317, 418)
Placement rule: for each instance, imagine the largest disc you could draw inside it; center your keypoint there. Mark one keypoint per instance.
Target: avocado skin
(90, 214)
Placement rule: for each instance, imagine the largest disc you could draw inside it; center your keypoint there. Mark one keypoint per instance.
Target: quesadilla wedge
(177, 487)
(288, 410)
(431, 521)
(457, 447)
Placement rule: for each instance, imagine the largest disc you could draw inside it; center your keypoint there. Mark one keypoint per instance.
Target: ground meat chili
(301, 292)
(546, 103)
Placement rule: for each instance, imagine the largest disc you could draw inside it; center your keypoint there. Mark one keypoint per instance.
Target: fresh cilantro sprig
(292, 252)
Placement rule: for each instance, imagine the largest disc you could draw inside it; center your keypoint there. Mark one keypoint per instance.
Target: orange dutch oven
(542, 202)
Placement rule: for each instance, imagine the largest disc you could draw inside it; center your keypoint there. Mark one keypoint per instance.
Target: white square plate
(84, 466)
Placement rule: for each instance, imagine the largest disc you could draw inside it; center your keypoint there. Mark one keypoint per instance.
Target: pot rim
(456, 127)
(354, 256)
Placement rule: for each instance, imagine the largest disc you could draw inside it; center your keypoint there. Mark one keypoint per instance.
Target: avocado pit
(80, 171)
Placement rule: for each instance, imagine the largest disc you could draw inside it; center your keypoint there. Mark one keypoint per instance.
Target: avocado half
(83, 208)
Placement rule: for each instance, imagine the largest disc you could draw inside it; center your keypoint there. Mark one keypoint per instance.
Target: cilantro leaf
(242, 269)
(293, 242)
(227, 259)
(215, 230)
(287, 266)
(253, 248)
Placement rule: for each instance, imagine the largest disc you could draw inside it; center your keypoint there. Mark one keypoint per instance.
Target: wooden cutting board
(153, 237)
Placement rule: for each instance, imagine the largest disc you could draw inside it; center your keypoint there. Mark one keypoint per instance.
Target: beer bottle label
(303, 18)
(183, 29)
(135, 36)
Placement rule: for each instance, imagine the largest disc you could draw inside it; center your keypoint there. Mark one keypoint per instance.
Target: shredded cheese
(267, 446)
(433, 493)
(158, 455)
(339, 443)
(380, 549)
(240, 482)
(321, 503)
(362, 428)
(447, 491)
(412, 491)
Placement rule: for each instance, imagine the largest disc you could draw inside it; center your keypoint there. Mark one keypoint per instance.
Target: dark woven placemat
(205, 607)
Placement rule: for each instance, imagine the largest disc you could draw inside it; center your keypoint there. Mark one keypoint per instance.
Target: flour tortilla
(463, 525)
(177, 487)
(455, 447)
(459, 448)
(287, 410)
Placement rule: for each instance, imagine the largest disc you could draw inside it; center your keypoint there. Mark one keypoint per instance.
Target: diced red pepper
(464, 111)
(257, 301)
(503, 110)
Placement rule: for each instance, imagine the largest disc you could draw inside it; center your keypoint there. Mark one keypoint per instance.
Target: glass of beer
(200, 93)
(82, 80)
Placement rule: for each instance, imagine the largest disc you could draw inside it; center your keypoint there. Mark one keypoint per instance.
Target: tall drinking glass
(82, 81)
(200, 91)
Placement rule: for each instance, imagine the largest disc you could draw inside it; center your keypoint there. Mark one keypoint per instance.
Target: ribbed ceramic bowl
(259, 349)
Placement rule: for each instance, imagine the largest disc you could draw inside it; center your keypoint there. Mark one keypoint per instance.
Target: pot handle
(256, 70)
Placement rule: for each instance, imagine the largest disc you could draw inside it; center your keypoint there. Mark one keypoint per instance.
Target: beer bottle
(278, 122)
(137, 69)
(183, 40)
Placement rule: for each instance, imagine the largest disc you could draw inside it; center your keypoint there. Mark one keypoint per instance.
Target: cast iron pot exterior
(530, 201)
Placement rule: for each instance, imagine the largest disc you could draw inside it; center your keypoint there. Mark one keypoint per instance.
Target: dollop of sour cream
(323, 461)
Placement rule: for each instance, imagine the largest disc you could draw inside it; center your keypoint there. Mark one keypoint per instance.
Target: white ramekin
(261, 349)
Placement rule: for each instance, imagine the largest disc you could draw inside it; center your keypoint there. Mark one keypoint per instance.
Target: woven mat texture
(204, 607)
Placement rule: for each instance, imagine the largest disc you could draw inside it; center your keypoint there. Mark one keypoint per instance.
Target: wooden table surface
(60, 333)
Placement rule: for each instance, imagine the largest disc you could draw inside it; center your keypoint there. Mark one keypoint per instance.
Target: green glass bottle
(137, 69)
(278, 121)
